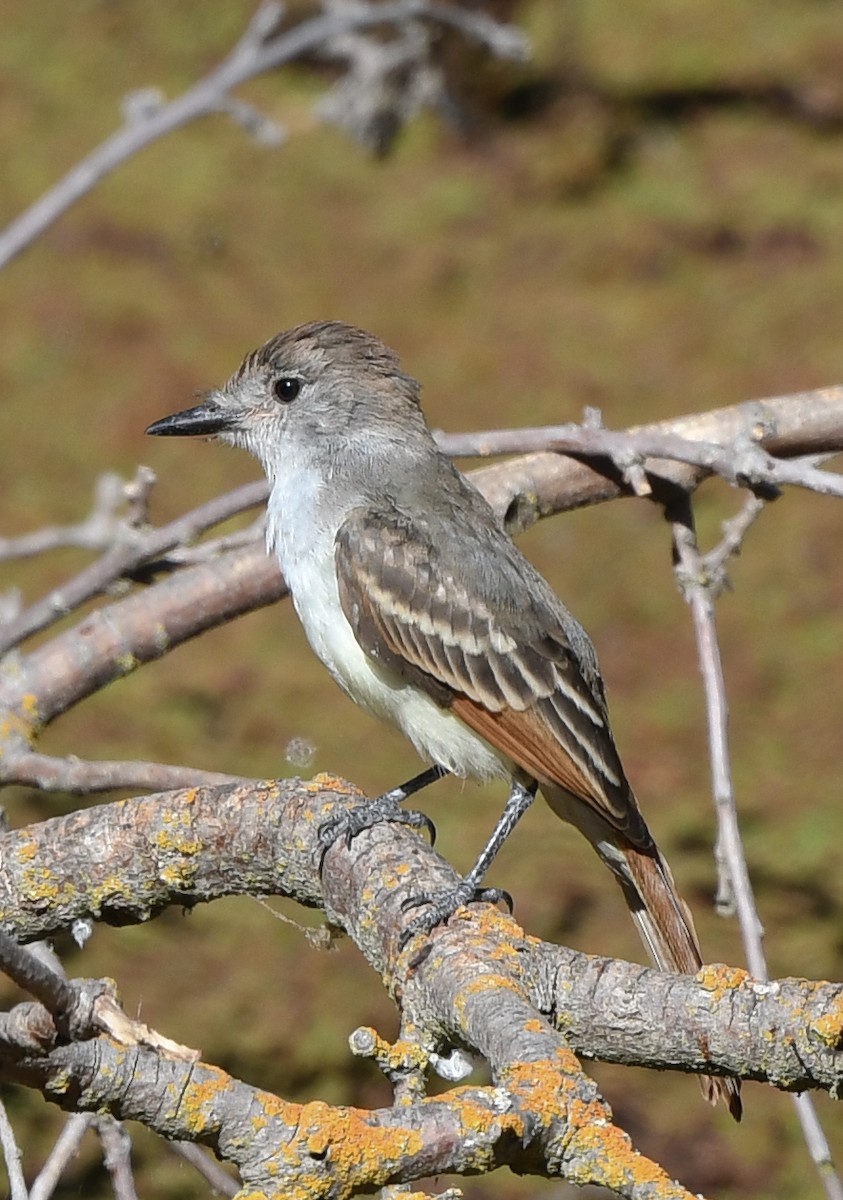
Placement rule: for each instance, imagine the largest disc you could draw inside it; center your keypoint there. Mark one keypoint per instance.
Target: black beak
(205, 418)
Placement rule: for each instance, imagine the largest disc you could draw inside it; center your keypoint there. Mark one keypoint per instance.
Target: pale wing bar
(405, 609)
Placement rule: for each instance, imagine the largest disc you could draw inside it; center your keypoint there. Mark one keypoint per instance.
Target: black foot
(441, 906)
(355, 820)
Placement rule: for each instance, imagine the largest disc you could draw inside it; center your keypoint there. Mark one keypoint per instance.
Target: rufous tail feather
(667, 929)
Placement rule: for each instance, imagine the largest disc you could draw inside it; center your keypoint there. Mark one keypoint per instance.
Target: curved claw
(493, 896)
(364, 816)
(443, 905)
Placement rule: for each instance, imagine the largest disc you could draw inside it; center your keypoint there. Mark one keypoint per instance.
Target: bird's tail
(667, 930)
(662, 917)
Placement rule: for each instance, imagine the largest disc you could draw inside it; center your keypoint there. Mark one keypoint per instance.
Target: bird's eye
(286, 389)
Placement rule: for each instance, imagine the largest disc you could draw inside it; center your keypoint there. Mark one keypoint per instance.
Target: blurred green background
(649, 219)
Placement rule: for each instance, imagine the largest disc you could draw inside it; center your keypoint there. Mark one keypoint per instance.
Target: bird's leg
(442, 905)
(400, 794)
(382, 808)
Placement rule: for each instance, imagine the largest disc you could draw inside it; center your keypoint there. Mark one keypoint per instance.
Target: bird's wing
(508, 670)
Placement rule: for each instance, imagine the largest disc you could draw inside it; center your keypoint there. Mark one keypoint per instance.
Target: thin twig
(81, 778)
(132, 549)
(211, 1171)
(12, 1155)
(742, 462)
(29, 973)
(818, 1146)
(212, 547)
(260, 49)
(97, 531)
(117, 1157)
(729, 546)
(66, 1147)
(694, 583)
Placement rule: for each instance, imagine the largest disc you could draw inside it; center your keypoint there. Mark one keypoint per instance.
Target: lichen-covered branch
(191, 847)
(316, 1150)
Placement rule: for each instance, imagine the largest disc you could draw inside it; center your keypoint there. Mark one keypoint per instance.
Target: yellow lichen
(719, 979)
(324, 782)
(829, 1028)
(110, 887)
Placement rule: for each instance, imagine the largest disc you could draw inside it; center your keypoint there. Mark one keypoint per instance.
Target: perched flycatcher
(428, 615)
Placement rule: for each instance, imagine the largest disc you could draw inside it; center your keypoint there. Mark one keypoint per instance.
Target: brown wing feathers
(526, 695)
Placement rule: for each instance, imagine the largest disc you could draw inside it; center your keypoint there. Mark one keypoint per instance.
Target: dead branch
(128, 547)
(482, 983)
(263, 46)
(192, 847)
(77, 777)
(145, 625)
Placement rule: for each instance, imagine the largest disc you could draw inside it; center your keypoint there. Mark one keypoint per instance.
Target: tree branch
(143, 626)
(263, 47)
(80, 778)
(701, 587)
(128, 548)
(321, 1151)
(192, 847)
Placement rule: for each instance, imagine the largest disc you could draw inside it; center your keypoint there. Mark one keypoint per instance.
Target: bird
(428, 615)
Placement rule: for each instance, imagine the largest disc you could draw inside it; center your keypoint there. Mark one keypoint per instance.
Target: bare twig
(31, 974)
(66, 1147)
(742, 462)
(729, 546)
(117, 1157)
(220, 1181)
(12, 1155)
(130, 549)
(95, 532)
(697, 588)
(261, 48)
(116, 639)
(78, 777)
(213, 547)
(818, 1146)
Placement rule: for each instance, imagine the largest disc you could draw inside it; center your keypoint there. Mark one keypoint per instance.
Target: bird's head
(324, 383)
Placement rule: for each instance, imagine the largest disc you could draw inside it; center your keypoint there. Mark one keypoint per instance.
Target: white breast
(305, 549)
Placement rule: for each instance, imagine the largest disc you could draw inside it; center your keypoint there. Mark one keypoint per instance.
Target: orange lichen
(206, 1084)
(323, 782)
(829, 1027)
(719, 979)
(480, 985)
(358, 1148)
(173, 837)
(608, 1151)
(39, 885)
(278, 1109)
(476, 1117)
(595, 1150)
(27, 848)
(14, 726)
